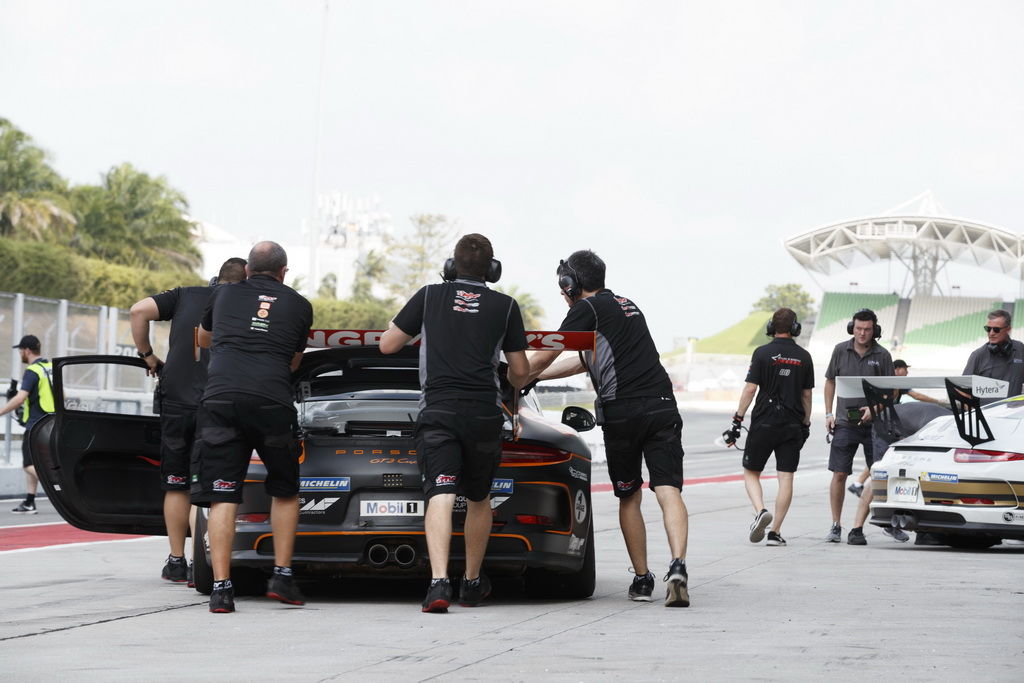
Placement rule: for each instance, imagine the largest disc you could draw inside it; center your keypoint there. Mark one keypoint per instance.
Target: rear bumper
(920, 518)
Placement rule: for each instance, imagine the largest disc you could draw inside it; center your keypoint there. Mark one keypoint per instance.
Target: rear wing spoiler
(964, 392)
(536, 340)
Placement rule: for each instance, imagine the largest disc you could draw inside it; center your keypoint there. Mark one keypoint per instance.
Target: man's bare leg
(782, 500)
(631, 522)
(752, 482)
(222, 535)
(479, 519)
(438, 524)
(676, 518)
(837, 494)
(176, 518)
(284, 519)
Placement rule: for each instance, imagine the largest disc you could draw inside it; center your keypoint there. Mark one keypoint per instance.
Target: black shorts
(845, 440)
(177, 436)
(458, 443)
(643, 429)
(230, 428)
(785, 440)
(26, 451)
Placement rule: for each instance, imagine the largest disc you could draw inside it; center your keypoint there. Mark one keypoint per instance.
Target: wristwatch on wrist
(147, 354)
(828, 415)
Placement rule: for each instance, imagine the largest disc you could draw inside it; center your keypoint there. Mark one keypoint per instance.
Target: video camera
(13, 390)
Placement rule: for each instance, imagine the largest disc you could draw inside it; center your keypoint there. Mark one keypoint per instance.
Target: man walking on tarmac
(258, 330)
(182, 381)
(464, 325)
(782, 375)
(35, 398)
(860, 356)
(636, 409)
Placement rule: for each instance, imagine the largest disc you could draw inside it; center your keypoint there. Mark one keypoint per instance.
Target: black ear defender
(569, 282)
(1003, 349)
(878, 328)
(449, 274)
(794, 329)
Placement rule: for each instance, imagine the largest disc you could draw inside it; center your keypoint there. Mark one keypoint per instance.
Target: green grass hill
(741, 339)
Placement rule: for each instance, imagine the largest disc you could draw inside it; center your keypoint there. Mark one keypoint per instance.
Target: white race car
(961, 476)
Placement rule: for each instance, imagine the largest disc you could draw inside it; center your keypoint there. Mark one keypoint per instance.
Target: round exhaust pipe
(405, 555)
(377, 555)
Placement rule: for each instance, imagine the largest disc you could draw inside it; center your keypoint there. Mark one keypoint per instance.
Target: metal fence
(64, 328)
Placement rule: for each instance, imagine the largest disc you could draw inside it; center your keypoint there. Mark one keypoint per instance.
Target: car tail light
(253, 517)
(977, 455)
(977, 501)
(539, 520)
(527, 454)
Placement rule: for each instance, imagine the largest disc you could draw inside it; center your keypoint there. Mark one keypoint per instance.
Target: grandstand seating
(837, 309)
(947, 321)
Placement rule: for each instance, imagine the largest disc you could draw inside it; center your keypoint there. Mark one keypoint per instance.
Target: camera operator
(1000, 357)
(782, 375)
(636, 409)
(862, 355)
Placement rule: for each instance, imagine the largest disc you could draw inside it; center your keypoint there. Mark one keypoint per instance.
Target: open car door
(98, 455)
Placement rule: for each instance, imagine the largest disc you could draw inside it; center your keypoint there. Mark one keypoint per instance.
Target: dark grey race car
(361, 503)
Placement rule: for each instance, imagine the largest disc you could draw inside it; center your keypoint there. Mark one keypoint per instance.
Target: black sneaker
(283, 588)
(775, 538)
(25, 508)
(856, 489)
(472, 593)
(856, 537)
(676, 594)
(642, 588)
(190, 576)
(760, 523)
(175, 570)
(896, 534)
(835, 534)
(222, 600)
(439, 596)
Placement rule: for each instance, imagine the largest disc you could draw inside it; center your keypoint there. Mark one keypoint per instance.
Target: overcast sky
(682, 141)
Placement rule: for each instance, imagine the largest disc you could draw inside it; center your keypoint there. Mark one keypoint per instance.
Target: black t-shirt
(183, 377)
(625, 363)
(258, 325)
(464, 326)
(781, 370)
(1008, 367)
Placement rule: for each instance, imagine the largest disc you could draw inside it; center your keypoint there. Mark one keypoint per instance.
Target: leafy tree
(134, 219)
(328, 287)
(351, 314)
(32, 202)
(371, 268)
(533, 313)
(417, 259)
(790, 296)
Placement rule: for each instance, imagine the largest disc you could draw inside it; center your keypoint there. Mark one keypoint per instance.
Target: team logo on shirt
(627, 306)
(466, 302)
(782, 360)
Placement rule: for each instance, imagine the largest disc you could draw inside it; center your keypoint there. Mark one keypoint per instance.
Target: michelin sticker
(502, 486)
(942, 477)
(581, 507)
(325, 484)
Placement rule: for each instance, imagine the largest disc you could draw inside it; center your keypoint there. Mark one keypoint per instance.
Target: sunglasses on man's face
(994, 330)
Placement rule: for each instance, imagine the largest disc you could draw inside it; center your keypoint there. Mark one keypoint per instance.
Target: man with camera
(464, 324)
(862, 355)
(1000, 357)
(636, 409)
(782, 375)
(182, 380)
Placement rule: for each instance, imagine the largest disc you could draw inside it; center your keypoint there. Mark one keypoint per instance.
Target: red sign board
(537, 340)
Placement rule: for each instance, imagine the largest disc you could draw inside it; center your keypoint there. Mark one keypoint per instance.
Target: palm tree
(32, 202)
(533, 314)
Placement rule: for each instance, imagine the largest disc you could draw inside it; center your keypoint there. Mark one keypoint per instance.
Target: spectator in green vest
(35, 399)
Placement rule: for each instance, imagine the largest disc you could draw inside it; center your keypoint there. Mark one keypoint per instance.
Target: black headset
(874, 319)
(794, 329)
(1004, 349)
(450, 274)
(569, 282)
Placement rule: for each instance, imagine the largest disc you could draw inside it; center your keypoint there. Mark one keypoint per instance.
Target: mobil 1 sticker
(391, 508)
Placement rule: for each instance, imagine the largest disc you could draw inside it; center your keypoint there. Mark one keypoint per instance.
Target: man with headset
(463, 325)
(862, 355)
(1000, 357)
(636, 409)
(781, 420)
(182, 381)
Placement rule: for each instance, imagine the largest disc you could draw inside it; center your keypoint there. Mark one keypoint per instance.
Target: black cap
(900, 363)
(29, 341)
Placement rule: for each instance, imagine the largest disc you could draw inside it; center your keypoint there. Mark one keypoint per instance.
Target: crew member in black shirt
(636, 409)
(182, 380)
(464, 326)
(781, 420)
(258, 330)
(1000, 357)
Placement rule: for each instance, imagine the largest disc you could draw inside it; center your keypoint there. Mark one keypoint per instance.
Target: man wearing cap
(35, 398)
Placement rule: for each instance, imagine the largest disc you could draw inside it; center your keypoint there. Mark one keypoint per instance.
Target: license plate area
(903, 490)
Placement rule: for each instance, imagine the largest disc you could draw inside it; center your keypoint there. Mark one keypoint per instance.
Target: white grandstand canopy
(920, 234)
